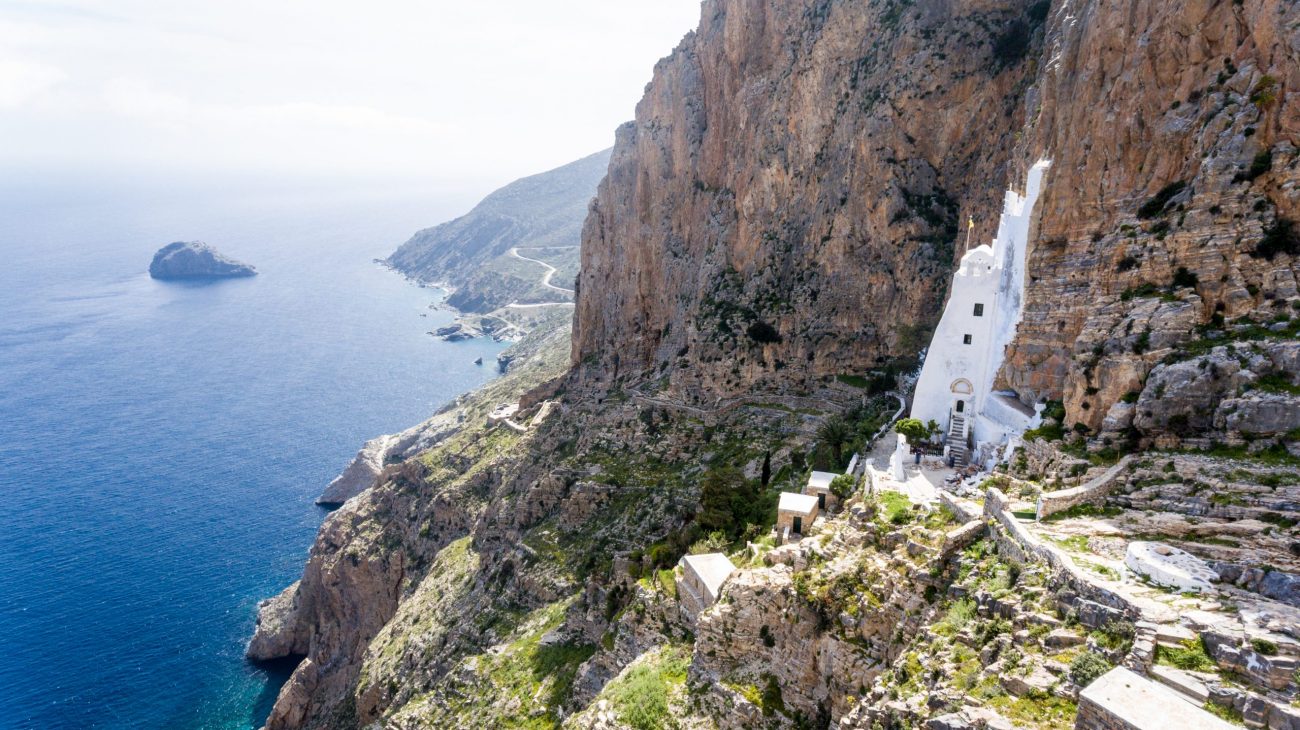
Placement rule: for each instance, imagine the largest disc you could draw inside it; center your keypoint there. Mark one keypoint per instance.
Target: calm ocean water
(161, 443)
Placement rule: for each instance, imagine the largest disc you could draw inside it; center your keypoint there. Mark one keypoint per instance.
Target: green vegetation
(1116, 636)
(1087, 667)
(1047, 712)
(895, 507)
(958, 616)
(843, 486)
(729, 502)
(1279, 238)
(536, 679)
(833, 434)
(642, 696)
(1260, 164)
(1277, 383)
(1265, 92)
(1264, 646)
(1155, 205)
(1085, 510)
(1191, 656)
(857, 381)
(915, 431)
(1223, 712)
(1051, 431)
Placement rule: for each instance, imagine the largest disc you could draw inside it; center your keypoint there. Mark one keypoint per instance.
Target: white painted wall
(991, 275)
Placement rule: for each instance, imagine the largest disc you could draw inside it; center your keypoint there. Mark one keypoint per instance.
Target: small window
(965, 339)
(979, 310)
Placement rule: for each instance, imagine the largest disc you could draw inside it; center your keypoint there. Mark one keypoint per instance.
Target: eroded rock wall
(787, 202)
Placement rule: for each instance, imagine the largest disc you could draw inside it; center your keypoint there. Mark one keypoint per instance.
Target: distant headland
(195, 260)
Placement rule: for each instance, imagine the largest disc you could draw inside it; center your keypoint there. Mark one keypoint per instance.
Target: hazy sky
(484, 90)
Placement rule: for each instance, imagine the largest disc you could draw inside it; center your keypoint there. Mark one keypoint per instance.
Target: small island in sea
(195, 260)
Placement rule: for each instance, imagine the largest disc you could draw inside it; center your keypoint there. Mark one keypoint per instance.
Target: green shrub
(1155, 205)
(1264, 646)
(640, 697)
(1279, 238)
(913, 429)
(843, 486)
(1260, 164)
(1190, 656)
(771, 699)
(1184, 278)
(1087, 667)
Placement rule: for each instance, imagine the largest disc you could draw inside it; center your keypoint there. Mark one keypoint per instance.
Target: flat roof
(821, 480)
(795, 502)
(712, 568)
(1143, 703)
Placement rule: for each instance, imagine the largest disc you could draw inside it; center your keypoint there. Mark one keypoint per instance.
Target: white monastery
(955, 388)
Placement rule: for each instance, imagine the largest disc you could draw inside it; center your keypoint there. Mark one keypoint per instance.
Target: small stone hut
(700, 580)
(795, 514)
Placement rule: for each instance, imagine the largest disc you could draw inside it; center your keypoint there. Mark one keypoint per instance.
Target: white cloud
(22, 82)
(445, 88)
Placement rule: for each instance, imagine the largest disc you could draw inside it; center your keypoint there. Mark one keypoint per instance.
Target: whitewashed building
(795, 515)
(955, 388)
(819, 486)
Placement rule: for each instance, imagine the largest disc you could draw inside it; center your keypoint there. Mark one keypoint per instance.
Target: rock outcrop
(195, 260)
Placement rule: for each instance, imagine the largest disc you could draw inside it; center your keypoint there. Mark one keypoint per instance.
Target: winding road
(550, 271)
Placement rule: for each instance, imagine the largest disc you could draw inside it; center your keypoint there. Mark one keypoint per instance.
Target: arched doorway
(962, 390)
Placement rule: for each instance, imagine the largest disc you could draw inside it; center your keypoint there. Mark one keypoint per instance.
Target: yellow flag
(971, 222)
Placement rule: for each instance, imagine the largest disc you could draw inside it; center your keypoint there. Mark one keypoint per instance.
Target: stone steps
(1188, 687)
(957, 441)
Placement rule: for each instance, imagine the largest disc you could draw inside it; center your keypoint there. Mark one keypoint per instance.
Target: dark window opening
(979, 310)
(961, 406)
(966, 339)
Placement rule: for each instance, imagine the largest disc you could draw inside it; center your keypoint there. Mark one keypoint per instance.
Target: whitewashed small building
(955, 388)
(699, 581)
(819, 486)
(795, 515)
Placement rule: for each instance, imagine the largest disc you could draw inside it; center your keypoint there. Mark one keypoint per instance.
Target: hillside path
(550, 271)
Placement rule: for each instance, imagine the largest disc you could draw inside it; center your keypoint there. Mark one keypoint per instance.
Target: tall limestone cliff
(787, 207)
(789, 200)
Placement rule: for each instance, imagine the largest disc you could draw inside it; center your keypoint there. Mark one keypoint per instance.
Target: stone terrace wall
(1093, 492)
(1096, 604)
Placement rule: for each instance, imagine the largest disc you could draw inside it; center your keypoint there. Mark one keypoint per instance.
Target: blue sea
(161, 443)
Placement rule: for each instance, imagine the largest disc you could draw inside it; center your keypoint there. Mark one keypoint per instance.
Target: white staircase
(956, 440)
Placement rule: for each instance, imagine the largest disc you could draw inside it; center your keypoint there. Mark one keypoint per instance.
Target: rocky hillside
(784, 210)
(541, 214)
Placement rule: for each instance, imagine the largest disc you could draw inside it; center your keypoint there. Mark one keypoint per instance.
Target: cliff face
(542, 213)
(1194, 98)
(788, 199)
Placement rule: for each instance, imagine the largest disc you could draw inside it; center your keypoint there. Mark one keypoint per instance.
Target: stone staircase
(956, 440)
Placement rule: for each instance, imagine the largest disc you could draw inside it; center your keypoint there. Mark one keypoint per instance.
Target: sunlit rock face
(791, 199)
